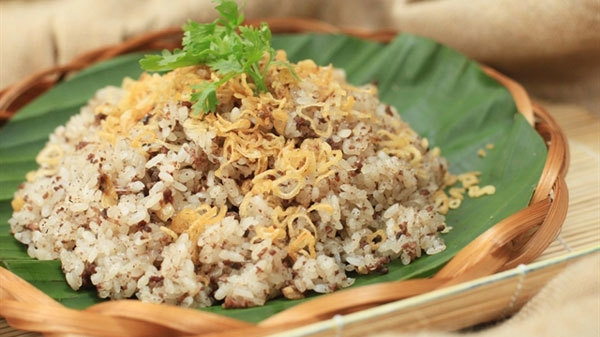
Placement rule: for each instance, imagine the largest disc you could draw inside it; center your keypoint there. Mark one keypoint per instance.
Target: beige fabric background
(551, 46)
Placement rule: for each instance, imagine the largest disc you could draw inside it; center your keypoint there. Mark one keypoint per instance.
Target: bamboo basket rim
(516, 240)
(441, 297)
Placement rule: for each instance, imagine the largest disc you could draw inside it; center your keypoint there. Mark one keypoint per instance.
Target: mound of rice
(280, 193)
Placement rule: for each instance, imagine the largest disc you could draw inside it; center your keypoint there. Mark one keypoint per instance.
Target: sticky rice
(288, 192)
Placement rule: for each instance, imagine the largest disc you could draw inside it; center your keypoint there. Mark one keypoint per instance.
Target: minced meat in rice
(280, 193)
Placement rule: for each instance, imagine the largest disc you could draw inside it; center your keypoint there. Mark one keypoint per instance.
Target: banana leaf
(442, 94)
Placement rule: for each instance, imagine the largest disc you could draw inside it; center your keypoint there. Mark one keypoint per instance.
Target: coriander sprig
(223, 45)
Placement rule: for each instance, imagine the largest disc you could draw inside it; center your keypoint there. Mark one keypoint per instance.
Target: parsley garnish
(223, 45)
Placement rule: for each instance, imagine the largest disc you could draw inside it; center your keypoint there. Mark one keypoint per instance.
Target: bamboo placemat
(580, 237)
(581, 228)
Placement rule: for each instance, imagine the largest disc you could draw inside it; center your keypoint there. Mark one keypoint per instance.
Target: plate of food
(266, 178)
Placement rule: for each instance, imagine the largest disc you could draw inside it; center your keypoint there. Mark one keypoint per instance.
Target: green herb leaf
(166, 61)
(230, 15)
(205, 97)
(219, 46)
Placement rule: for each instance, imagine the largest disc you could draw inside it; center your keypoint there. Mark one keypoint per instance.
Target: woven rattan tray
(516, 240)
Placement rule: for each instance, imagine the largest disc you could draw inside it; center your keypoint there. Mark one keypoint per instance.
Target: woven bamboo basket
(516, 240)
